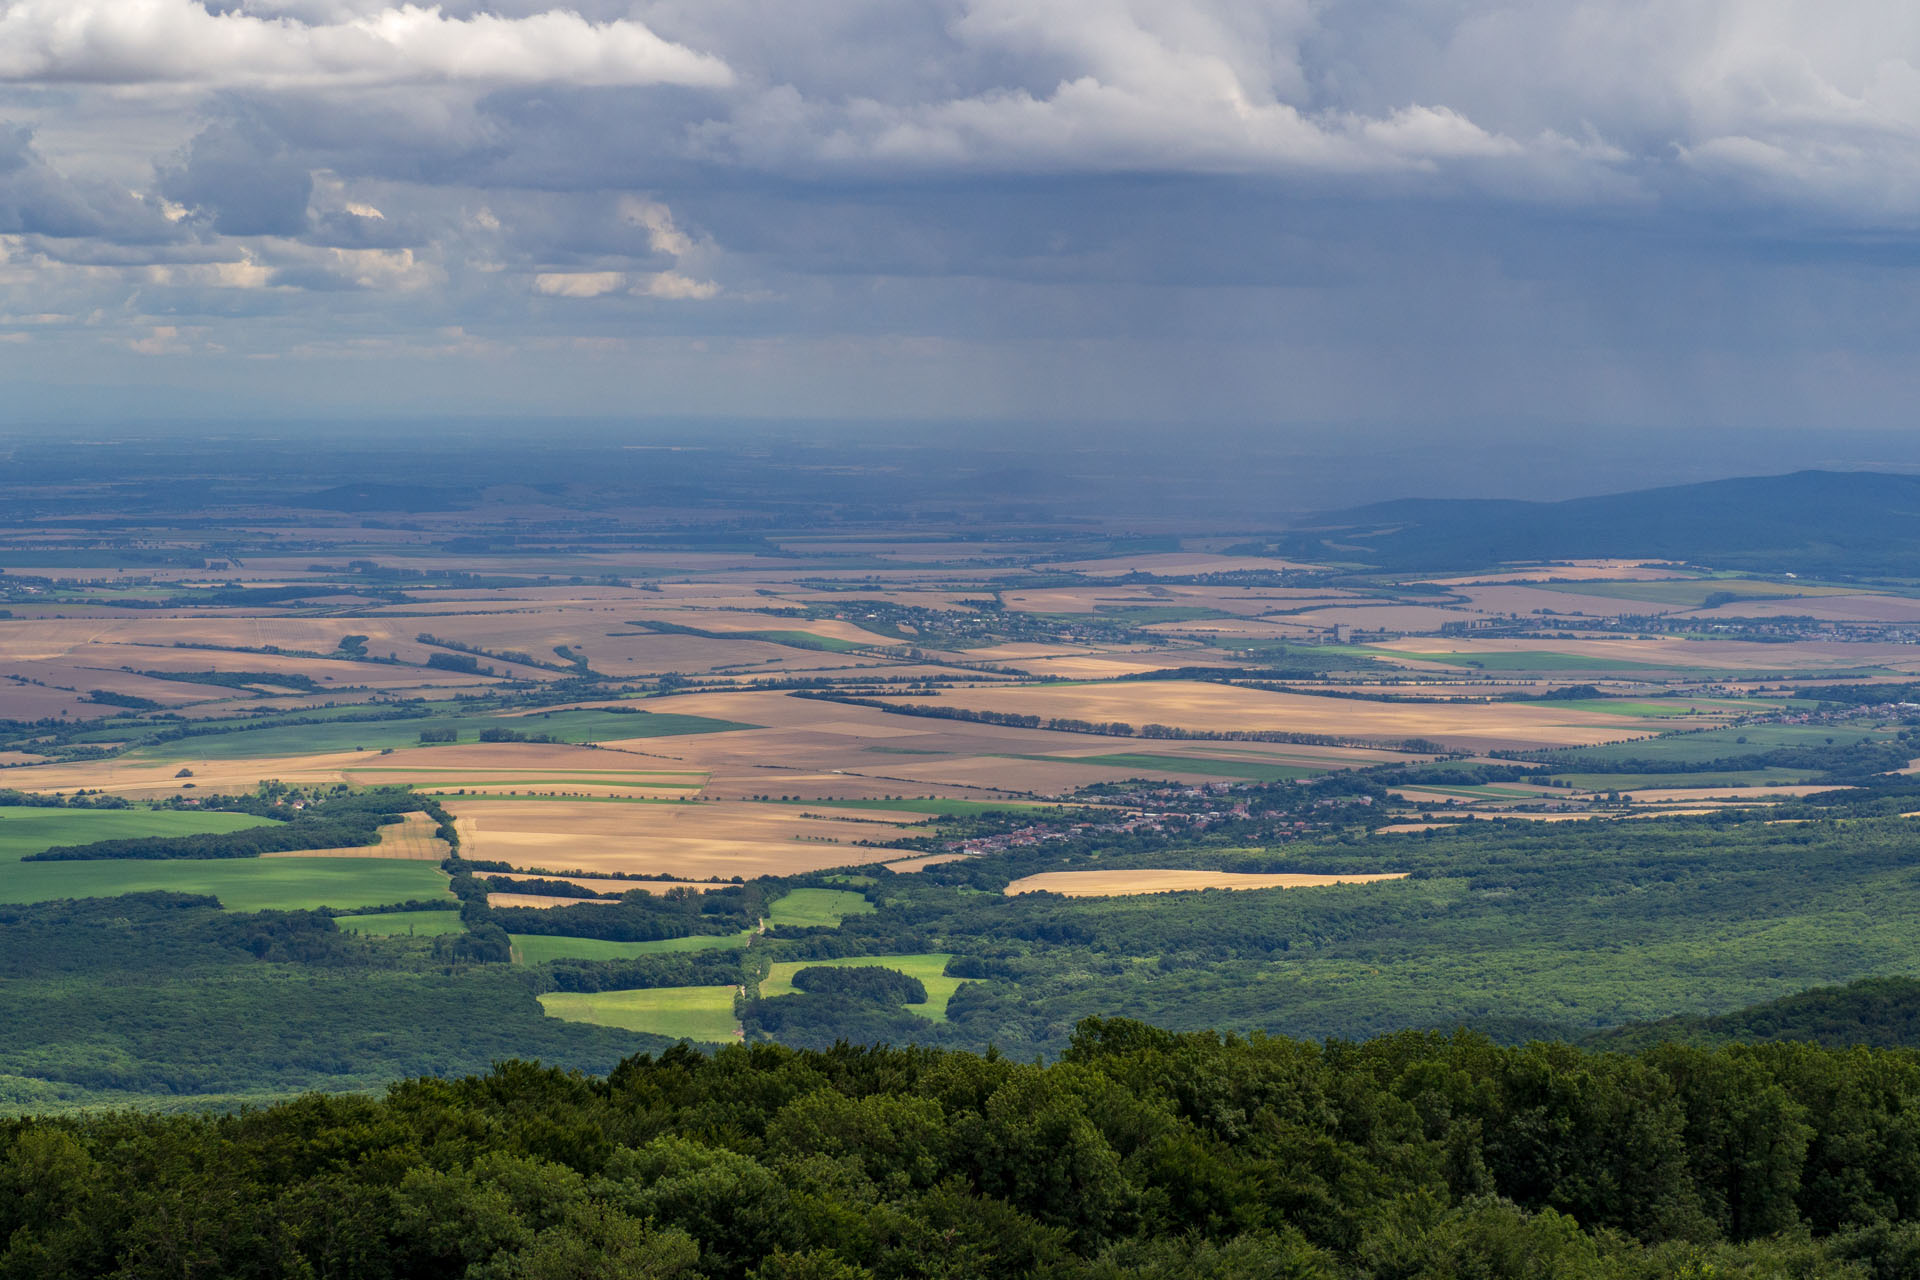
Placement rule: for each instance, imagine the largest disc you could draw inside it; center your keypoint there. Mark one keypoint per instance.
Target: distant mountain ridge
(1827, 522)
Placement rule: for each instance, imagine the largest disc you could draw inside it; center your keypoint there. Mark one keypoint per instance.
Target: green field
(1652, 710)
(704, 1014)
(1488, 792)
(25, 829)
(1725, 778)
(538, 948)
(1692, 593)
(306, 739)
(816, 908)
(1715, 744)
(930, 969)
(420, 924)
(241, 884)
(1248, 769)
(1523, 660)
(1146, 615)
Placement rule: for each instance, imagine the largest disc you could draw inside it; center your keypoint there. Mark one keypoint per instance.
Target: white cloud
(578, 284)
(662, 235)
(679, 288)
(140, 42)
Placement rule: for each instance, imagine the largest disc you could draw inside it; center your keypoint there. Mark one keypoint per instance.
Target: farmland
(26, 830)
(701, 1014)
(683, 754)
(241, 884)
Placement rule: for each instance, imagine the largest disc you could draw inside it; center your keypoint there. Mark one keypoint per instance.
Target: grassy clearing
(1487, 792)
(703, 1014)
(400, 924)
(25, 830)
(241, 884)
(590, 725)
(1519, 660)
(929, 968)
(538, 948)
(816, 908)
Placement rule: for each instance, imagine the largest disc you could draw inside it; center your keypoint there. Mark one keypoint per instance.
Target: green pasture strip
(241, 884)
(1209, 766)
(703, 1014)
(1205, 767)
(1525, 660)
(803, 640)
(1728, 778)
(25, 829)
(420, 924)
(538, 948)
(1648, 710)
(817, 908)
(1714, 744)
(1477, 792)
(1693, 593)
(1147, 615)
(929, 968)
(242, 743)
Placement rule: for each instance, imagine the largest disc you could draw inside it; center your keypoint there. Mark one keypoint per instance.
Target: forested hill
(1883, 1013)
(1853, 522)
(1141, 1154)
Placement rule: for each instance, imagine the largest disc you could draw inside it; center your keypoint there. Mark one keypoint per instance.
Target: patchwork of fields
(1011, 769)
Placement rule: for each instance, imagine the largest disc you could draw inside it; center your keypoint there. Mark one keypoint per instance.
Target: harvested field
(543, 901)
(1110, 884)
(411, 838)
(602, 885)
(1214, 707)
(707, 840)
(908, 865)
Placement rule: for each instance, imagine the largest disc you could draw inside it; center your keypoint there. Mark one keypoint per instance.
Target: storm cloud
(1265, 212)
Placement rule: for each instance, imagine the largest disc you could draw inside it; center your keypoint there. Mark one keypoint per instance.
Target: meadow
(401, 924)
(376, 735)
(26, 829)
(700, 1014)
(539, 948)
(241, 884)
(816, 908)
(930, 969)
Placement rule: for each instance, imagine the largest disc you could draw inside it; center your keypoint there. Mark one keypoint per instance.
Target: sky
(1423, 215)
